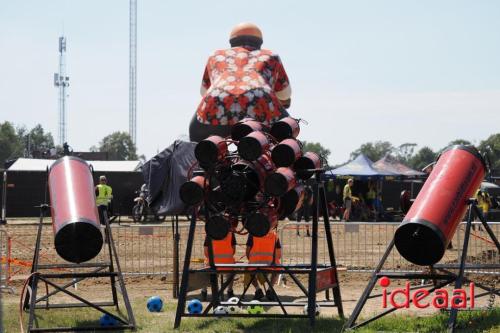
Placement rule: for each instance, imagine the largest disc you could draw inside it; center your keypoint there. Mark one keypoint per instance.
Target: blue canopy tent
(362, 168)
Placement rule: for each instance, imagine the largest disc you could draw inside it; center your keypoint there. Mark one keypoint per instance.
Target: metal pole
(177, 238)
(460, 277)
(121, 282)
(3, 218)
(110, 250)
(486, 226)
(30, 303)
(132, 100)
(364, 297)
(311, 302)
(181, 303)
(213, 277)
(326, 223)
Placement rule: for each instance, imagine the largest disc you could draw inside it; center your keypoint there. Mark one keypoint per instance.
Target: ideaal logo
(440, 298)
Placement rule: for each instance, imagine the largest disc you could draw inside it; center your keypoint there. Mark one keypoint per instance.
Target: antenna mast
(132, 100)
(61, 81)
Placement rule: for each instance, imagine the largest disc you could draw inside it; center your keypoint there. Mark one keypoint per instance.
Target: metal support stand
(176, 243)
(320, 277)
(3, 215)
(439, 280)
(77, 273)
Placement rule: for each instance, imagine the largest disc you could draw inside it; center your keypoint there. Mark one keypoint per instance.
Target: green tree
(422, 158)
(491, 146)
(119, 146)
(373, 150)
(10, 145)
(317, 148)
(404, 152)
(456, 142)
(38, 141)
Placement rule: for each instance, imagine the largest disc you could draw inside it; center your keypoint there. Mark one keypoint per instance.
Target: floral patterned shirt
(242, 82)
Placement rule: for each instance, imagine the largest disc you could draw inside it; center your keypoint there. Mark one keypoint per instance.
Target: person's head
(350, 181)
(246, 34)
(103, 180)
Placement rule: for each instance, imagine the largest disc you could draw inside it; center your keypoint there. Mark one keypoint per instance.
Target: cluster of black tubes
(258, 183)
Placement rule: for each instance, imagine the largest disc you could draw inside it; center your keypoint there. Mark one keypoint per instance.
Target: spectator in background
(305, 210)
(483, 203)
(371, 195)
(104, 195)
(347, 198)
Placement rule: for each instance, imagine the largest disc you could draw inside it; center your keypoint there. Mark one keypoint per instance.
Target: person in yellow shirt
(371, 195)
(483, 202)
(347, 196)
(103, 196)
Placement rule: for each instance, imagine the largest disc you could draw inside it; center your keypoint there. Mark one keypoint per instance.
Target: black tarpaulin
(165, 173)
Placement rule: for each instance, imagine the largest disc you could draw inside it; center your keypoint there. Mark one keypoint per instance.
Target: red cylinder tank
(75, 219)
(291, 201)
(286, 153)
(430, 223)
(280, 182)
(245, 127)
(285, 128)
(259, 223)
(253, 146)
(308, 161)
(210, 151)
(192, 192)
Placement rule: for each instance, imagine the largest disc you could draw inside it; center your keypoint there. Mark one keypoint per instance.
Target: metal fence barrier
(360, 245)
(149, 249)
(5, 261)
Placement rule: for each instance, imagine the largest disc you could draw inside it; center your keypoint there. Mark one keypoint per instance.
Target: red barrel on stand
(433, 218)
(75, 218)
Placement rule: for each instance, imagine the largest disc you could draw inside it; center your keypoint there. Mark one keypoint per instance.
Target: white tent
(488, 185)
(31, 164)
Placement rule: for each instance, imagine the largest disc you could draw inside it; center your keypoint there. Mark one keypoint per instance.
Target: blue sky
(404, 71)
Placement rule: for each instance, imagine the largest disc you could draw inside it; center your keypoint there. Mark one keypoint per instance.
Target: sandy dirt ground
(149, 251)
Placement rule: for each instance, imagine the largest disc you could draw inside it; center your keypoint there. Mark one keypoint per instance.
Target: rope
(480, 237)
(23, 290)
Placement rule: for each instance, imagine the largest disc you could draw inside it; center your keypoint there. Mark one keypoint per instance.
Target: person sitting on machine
(263, 250)
(239, 82)
(223, 251)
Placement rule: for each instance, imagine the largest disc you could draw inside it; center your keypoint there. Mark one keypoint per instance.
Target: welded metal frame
(292, 270)
(440, 280)
(110, 269)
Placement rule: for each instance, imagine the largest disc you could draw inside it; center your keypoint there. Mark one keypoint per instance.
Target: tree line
(408, 154)
(19, 141)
